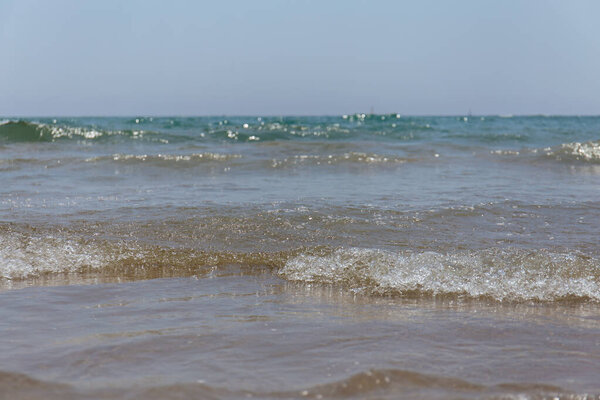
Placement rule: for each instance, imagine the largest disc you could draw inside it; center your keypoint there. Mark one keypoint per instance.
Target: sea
(359, 256)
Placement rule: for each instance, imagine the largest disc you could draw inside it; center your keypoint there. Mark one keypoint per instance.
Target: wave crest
(24, 256)
(508, 274)
(587, 152)
(24, 132)
(167, 159)
(334, 159)
(499, 274)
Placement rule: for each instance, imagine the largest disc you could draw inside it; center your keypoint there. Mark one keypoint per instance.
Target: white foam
(508, 274)
(23, 256)
(589, 151)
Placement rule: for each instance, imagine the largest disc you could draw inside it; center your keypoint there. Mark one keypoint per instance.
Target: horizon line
(508, 115)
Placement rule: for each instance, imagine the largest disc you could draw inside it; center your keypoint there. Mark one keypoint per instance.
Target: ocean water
(355, 256)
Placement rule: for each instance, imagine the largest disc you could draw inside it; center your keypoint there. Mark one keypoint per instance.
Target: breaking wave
(587, 152)
(26, 132)
(498, 274)
(25, 256)
(574, 152)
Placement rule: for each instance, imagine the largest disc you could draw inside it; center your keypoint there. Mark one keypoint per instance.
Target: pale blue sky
(119, 57)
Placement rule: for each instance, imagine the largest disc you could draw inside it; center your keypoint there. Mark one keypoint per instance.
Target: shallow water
(360, 256)
(227, 334)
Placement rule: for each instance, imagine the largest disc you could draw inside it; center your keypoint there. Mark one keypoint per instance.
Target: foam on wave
(334, 159)
(23, 256)
(508, 274)
(587, 152)
(499, 274)
(166, 159)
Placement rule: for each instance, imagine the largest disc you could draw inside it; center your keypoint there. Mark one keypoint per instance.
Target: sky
(297, 57)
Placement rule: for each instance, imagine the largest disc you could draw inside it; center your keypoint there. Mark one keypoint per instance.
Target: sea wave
(484, 131)
(26, 256)
(382, 383)
(23, 131)
(348, 158)
(498, 274)
(588, 152)
(334, 159)
(399, 383)
(234, 130)
(166, 159)
(208, 159)
(20, 131)
(508, 274)
(572, 152)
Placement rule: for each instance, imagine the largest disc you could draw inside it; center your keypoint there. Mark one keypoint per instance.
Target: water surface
(357, 256)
